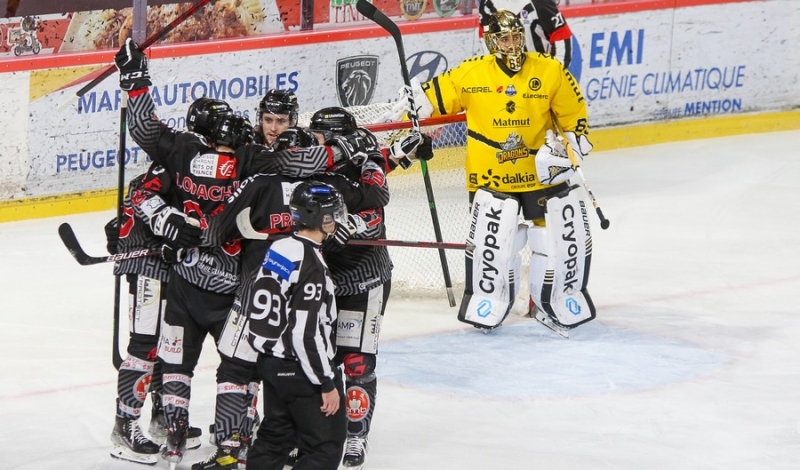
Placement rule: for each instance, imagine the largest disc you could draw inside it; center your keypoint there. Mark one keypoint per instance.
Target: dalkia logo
(413, 9)
(356, 78)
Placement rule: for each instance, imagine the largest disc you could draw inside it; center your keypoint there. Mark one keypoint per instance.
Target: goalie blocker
(558, 272)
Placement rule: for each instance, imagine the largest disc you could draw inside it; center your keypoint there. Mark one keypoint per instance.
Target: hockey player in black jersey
(140, 372)
(277, 112)
(362, 276)
(292, 326)
(204, 171)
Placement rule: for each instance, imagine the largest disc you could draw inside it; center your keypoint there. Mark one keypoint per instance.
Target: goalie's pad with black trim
(564, 296)
(491, 284)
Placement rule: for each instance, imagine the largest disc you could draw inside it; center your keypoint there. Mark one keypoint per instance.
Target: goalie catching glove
(402, 107)
(553, 165)
(337, 241)
(132, 66)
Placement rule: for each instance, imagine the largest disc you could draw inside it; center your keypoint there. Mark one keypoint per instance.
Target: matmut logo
(212, 165)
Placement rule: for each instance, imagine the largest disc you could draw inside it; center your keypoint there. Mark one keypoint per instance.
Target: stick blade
(71, 243)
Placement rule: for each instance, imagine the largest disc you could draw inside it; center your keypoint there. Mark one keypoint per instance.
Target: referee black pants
(292, 418)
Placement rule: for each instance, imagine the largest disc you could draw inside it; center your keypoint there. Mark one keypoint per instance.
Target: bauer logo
(356, 78)
(425, 65)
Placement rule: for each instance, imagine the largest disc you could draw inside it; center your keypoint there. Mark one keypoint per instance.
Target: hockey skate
(545, 320)
(131, 444)
(158, 426)
(355, 453)
(224, 457)
(158, 432)
(175, 444)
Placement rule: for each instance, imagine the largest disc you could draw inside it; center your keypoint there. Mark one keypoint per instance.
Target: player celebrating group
(513, 101)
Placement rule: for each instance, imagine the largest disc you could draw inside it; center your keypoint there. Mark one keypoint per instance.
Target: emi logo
(356, 78)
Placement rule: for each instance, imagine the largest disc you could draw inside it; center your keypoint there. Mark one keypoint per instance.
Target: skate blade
(545, 320)
(122, 453)
(173, 458)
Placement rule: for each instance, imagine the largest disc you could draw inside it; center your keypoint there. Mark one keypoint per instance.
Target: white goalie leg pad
(491, 284)
(233, 342)
(563, 294)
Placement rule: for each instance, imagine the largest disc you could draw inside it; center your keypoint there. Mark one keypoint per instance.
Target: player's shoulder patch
(277, 263)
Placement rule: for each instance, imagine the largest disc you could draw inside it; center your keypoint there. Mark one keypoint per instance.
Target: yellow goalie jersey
(507, 115)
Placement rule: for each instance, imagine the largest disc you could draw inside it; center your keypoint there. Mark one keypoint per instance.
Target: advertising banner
(700, 61)
(76, 146)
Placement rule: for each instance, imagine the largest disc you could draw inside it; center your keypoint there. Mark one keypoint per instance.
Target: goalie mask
(505, 38)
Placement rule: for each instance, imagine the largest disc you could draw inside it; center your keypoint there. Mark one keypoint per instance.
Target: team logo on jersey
(511, 107)
(357, 404)
(511, 90)
(425, 65)
(535, 84)
(413, 9)
(513, 149)
(355, 79)
(212, 165)
(445, 8)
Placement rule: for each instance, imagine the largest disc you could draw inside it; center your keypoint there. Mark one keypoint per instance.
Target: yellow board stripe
(603, 140)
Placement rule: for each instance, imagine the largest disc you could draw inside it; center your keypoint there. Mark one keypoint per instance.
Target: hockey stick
(367, 9)
(147, 43)
(73, 245)
(416, 244)
(116, 358)
(604, 223)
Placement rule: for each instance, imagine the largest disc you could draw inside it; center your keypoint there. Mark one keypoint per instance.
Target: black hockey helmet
(314, 204)
(231, 131)
(203, 113)
(295, 137)
(334, 119)
(279, 102)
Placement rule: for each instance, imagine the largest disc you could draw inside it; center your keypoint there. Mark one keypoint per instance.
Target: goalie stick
(116, 356)
(367, 9)
(604, 223)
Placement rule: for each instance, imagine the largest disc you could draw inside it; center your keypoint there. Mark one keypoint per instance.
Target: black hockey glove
(425, 149)
(352, 148)
(112, 236)
(337, 241)
(132, 66)
(171, 255)
(177, 229)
